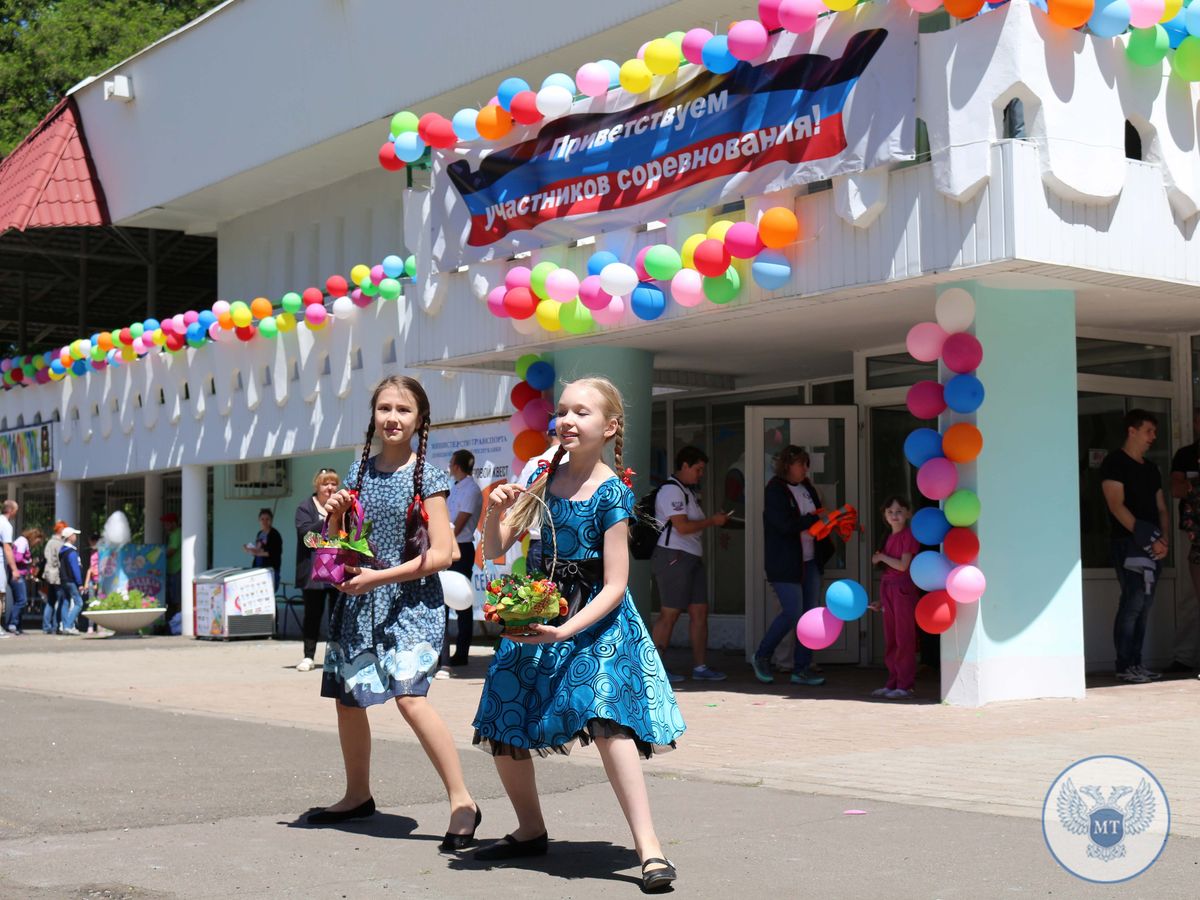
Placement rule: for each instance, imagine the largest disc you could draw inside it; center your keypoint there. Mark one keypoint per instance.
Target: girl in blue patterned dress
(596, 676)
(386, 628)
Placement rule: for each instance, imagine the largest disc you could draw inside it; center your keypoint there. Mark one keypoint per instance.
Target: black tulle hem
(594, 728)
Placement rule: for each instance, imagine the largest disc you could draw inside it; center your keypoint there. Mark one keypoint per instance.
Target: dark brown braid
(416, 540)
(366, 453)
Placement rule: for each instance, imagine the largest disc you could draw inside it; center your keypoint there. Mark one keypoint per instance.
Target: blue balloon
(716, 55)
(562, 80)
(79, 367)
(614, 72)
(1176, 27)
(930, 526)
(206, 319)
(964, 393)
(409, 147)
(846, 599)
(598, 260)
(771, 270)
(929, 570)
(195, 332)
(1109, 18)
(464, 125)
(921, 446)
(540, 376)
(508, 89)
(57, 367)
(393, 266)
(1191, 18)
(648, 301)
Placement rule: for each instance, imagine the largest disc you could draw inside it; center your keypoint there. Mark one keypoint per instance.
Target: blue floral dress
(385, 643)
(607, 680)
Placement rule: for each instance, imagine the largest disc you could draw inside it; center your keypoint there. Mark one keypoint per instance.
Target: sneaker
(305, 665)
(442, 674)
(807, 678)
(704, 673)
(12, 629)
(881, 692)
(1151, 675)
(898, 694)
(673, 678)
(73, 631)
(1132, 676)
(762, 670)
(4, 634)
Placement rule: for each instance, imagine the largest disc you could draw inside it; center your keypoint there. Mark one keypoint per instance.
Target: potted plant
(125, 612)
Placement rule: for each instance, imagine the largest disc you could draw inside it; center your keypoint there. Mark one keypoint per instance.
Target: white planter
(125, 621)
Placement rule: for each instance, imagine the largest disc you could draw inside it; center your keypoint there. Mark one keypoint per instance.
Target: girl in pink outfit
(899, 596)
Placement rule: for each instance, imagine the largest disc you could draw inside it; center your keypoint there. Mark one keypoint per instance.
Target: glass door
(830, 435)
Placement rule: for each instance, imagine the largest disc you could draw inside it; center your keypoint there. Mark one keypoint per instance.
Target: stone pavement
(168, 736)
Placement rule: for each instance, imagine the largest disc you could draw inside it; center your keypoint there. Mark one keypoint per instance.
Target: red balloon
(963, 9)
(244, 332)
(524, 108)
(925, 400)
(439, 133)
(175, 341)
(523, 393)
(126, 337)
(961, 546)
(423, 125)
(17, 374)
(312, 295)
(336, 285)
(520, 304)
(711, 258)
(388, 158)
(936, 612)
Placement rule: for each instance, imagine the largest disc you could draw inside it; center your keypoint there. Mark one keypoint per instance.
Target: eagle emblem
(1106, 821)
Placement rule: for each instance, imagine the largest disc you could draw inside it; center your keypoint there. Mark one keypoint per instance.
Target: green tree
(48, 47)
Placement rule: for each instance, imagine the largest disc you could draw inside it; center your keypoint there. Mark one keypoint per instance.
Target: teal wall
(235, 522)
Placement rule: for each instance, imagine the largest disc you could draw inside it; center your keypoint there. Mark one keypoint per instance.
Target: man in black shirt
(1137, 512)
(1185, 487)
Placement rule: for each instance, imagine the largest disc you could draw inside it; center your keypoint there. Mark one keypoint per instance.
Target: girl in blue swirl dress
(386, 628)
(596, 676)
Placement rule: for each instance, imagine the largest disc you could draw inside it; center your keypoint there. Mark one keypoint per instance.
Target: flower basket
(331, 555)
(519, 601)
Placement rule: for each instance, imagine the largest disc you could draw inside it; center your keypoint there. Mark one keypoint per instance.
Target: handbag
(329, 563)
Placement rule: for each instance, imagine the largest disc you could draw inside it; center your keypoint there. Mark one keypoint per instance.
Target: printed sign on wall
(26, 451)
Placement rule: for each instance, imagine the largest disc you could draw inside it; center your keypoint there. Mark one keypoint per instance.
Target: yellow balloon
(635, 76)
(241, 316)
(128, 354)
(158, 337)
(1172, 10)
(840, 5)
(359, 272)
(286, 322)
(661, 56)
(547, 314)
(689, 249)
(717, 229)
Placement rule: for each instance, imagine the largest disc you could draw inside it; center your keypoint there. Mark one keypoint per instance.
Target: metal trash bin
(233, 603)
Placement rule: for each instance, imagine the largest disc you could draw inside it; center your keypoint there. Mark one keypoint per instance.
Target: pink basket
(329, 563)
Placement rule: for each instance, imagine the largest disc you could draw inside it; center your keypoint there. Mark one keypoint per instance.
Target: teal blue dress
(607, 680)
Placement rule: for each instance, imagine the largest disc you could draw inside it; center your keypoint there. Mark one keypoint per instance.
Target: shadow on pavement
(380, 825)
(569, 860)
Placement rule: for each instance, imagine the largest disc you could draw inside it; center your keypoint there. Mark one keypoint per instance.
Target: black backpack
(646, 529)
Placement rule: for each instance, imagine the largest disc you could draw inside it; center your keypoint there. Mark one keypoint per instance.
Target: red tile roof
(48, 180)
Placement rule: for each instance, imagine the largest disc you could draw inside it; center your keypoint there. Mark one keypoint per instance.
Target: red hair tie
(543, 465)
(627, 477)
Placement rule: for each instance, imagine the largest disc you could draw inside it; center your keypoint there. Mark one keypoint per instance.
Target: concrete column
(194, 534)
(12, 486)
(1024, 639)
(66, 502)
(153, 488)
(632, 371)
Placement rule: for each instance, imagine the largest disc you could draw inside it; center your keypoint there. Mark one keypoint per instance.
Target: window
(1014, 120)
(1133, 142)
(1123, 360)
(267, 478)
(897, 370)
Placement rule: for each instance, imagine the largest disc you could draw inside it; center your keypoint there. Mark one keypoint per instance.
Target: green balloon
(662, 262)
(268, 328)
(1148, 46)
(537, 278)
(389, 289)
(576, 318)
(676, 38)
(291, 302)
(723, 288)
(1185, 62)
(404, 121)
(410, 267)
(137, 329)
(524, 362)
(519, 566)
(369, 288)
(962, 508)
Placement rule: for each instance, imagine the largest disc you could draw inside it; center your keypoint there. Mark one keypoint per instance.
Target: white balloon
(526, 326)
(343, 308)
(116, 529)
(553, 101)
(955, 310)
(457, 590)
(618, 279)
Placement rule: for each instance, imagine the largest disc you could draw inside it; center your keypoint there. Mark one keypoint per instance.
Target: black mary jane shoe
(509, 847)
(326, 817)
(453, 843)
(657, 879)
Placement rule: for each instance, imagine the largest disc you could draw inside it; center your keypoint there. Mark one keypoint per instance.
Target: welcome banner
(840, 99)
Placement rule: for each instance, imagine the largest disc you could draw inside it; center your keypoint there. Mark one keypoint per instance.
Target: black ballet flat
(453, 843)
(509, 847)
(325, 817)
(657, 879)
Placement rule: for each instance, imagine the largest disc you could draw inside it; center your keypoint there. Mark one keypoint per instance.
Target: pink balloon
(562, 285)
(358, 298)
(537, 415)
(516, 423)
(1145, 13)
(687, 287)
(818, 628)
(167, 326)
(495, 302)
(747, 39)
(926, 400)
(592, 80)
(962, 353)
(611, 314)
(190, 317)
(641, 54)
(220, 307)
(377, 273)
(966, 584)
(180, 325)
(937, 478)
(518, 276)
(315, 313)
(800, 16)
(924, 6)
(693, 45)
(742, 240)
(639, 265)
(768, 13)
(214, 333)
(139, 346)
(925, 340)
(592, 295)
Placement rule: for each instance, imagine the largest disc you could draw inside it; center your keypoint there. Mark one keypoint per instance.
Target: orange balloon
(778, 227)
(963, 9)
(260, 307)
(106, 343)
(225, 320)
(529, 444)
(493, 123)
(962, 443)
(1071, 13)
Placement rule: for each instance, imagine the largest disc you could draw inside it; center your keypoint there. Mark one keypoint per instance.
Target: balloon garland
(1155, 28)
(950, 575)
(246, 321)
(530, 422)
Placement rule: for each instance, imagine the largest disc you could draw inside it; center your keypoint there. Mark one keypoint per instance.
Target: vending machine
(232, 603)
